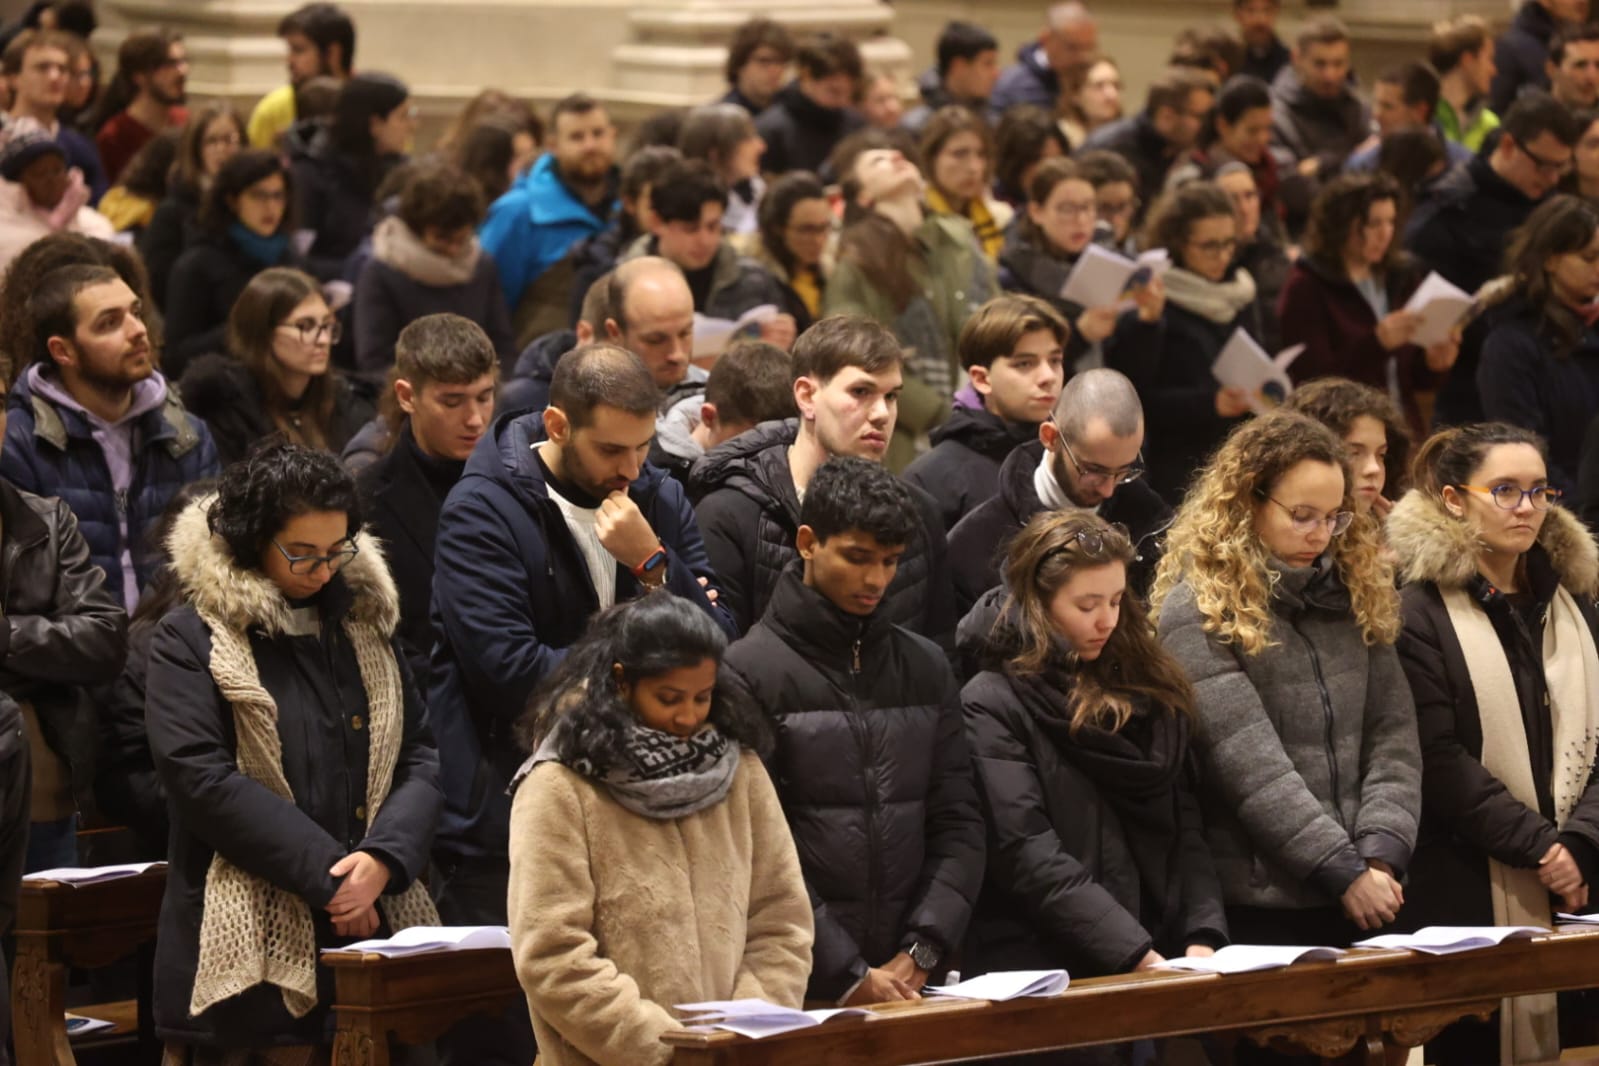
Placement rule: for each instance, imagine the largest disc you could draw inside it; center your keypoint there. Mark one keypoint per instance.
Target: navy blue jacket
(511, 593)
(1029, 80)
(51, 451)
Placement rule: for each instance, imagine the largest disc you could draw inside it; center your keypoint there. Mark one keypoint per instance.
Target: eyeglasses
(300, 565)
(1092, 539)
(1068, 209)
(1558, 169)
(1306, 520)
(1218, 247)
(1109, 209)
(222, 140)
(1509, 496)
(1093, 472)
(310, 331)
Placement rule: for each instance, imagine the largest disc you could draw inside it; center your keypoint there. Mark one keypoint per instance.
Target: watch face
(925, 956)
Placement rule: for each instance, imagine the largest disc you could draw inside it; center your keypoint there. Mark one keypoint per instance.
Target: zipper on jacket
(1327, 720)
(858, 728)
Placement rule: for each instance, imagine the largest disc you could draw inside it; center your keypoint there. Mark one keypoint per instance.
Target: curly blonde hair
(1212, 544)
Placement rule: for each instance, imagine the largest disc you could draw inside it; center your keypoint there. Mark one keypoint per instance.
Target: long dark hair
(364, 98)
(652, 635)
(1449, 456)
(1560, 225)
(1340, 209)
(263, 306)
(1133, 667)
(776, 207)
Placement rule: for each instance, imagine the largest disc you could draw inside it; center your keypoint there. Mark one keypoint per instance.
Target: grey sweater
(1310, 762)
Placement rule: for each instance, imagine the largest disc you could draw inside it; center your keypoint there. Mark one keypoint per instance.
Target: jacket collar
(243, 598)
(1434, 546)
(552, 202)
(983, 432)
(168, 424)
(806, 620)
(505, 456)
(754, 463)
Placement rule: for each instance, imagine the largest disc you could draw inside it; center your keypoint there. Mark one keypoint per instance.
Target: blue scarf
(268, 251)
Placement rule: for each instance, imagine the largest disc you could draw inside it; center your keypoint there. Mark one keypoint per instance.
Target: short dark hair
(1454, 39)
(257, 496)
(601, 375)
(239, 173)
(962, 40)
(681, 191)
(25, 277)
(443, 349)
(1019, 142)
(752, 383)
(1101, 167)
(1417, 83)
(822, 55)
(1322, 30)
(998, 326)
(53, 305)
(1208, 48)
(1566, 36)
(645, 166)
(754, 34)
(851, 494)
(1173, 88)
(1242, 94)
(441, 195)
(837, 342)
(1535, 113)
(145, 51)
(1174, 215)
(575, 104)
(324, 25)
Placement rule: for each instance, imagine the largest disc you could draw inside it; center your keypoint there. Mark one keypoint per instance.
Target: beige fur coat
(615, 917)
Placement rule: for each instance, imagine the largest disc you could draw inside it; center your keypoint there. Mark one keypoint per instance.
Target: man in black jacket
(847, 378)
(1521, 54)
(1013, 350)
(751, 383)
(871, 762)
(968, 67)
(1088, 456)
(1175, 111)
(444, 391)
(814, 112)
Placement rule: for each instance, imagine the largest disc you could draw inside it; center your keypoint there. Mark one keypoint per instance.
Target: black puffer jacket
(749, 513)
(800, 134)
(333, 199)
(874, 775)
(126, 786)
(528, 388)
(204, 285)
(977, 543)
(962, 469)
(1096, 848)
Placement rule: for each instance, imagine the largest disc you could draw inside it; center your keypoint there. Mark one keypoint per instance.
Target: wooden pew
(59, 926)
(1361, 1007)
(414, 1000)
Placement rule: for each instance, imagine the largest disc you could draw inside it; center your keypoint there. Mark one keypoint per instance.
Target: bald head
(1070, 41)
(651, 313)
(1099, 395)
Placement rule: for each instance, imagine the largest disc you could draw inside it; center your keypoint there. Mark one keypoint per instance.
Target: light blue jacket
(533, 225)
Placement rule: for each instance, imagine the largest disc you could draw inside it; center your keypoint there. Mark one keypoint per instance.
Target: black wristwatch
(925, 955)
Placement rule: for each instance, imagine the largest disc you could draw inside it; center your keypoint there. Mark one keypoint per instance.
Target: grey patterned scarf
(659, 775)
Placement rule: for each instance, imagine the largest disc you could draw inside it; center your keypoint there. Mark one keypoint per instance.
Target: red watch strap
(656, 560)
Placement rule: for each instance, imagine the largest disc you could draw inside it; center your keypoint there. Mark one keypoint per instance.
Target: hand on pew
(879, 986)
(907, 971)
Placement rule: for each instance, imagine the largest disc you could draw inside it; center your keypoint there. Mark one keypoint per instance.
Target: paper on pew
(756, 1018)
(424, 939)
(1448, 939)
(713, 336)
(78, 1025)
(1246, 958)
(1577, 919)
(1442, 307)
(91, 875)
(1006, 984)
(1101, 277)
(1243, 364)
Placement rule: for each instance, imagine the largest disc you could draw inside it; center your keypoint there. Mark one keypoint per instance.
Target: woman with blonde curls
(1275, 598)
(1080, 729)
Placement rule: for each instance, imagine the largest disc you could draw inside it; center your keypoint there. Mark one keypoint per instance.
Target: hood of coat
(394, 243)
(1433, 545)
(244, 598)
(983, 432)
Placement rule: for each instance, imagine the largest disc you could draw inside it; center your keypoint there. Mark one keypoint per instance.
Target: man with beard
(1088, 456)
(150, 87)
(92, 421)
(557, 516)
(321, 43)
(569, 194)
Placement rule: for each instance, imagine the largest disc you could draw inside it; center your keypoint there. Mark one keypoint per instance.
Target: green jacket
(1479, 122)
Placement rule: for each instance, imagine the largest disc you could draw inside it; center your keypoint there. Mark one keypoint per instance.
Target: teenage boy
(968, 67)
(847, 379)
(1461, 50)
(813, 113)
(751, 383)
(36, 65)
(321, 43)
(443, 400)
(1013, 350)
(871, 762)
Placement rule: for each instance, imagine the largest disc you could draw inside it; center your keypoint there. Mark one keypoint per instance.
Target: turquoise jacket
(533, 225)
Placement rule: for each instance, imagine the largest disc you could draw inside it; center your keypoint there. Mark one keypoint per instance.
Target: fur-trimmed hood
(1433, 545)
(244, 598)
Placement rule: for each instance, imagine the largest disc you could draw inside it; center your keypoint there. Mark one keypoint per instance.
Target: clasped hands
(354, 906)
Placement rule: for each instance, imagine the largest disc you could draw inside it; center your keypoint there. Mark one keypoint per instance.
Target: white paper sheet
(1448, 939)
(426, 939)
(1246, 958)
(1243, 364)
(713, 336)
(1006, 984)
(91, 875)
(1442, 306)
(756, 1018)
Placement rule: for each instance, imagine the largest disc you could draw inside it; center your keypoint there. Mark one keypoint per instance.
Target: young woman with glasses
(1345, 298)
(1275, 597)
(1540, 360)
(213, 135)
(1498, 646)
(278, 378)
(300, 776)
(1080, 727)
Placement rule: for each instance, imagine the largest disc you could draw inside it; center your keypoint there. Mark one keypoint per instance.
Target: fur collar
(242, 598)
(1433, 545)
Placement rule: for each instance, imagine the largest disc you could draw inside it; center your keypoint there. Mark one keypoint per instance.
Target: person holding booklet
(1345, 298)
(1499, 648)
(1540, 361)
(1080, 727)
(650, 861)
(1275, 598)
(1208, 298)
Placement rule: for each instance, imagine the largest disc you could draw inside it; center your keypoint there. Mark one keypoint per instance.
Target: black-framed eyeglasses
(1547, 166)
(301, 565)
(1508, 497)
(1306, 520)
(1093, 472)
(312, 331)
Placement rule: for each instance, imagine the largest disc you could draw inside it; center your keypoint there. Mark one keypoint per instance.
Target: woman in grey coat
(1275, 598)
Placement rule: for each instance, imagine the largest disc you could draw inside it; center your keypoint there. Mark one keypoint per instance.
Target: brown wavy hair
(1133, 667)
(1213, 547)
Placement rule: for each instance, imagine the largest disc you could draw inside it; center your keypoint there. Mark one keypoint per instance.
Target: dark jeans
(16, 781)
(472, 892)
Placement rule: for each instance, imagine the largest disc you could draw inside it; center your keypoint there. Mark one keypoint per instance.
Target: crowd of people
(744, 564)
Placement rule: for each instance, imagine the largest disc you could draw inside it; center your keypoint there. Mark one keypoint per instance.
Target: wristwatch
(925, 955)
(652, 571)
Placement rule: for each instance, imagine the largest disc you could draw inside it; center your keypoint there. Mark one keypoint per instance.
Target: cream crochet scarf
(252, 931)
